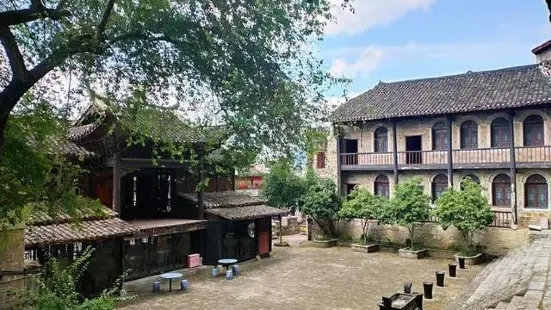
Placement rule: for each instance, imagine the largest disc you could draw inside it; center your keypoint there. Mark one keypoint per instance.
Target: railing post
(513, 167)
(395, 151)
(450, 155)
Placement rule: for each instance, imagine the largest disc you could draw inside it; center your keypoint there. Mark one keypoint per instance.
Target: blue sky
(392, 40)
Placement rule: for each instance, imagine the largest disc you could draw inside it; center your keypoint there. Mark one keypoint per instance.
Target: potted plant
(322, 204)
(363, 205)
(409, 207)
(468, 211)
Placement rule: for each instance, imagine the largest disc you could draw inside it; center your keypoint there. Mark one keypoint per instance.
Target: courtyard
(303, 277)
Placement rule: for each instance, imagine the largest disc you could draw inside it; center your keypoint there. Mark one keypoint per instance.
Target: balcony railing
(460, 157)
(502, 219)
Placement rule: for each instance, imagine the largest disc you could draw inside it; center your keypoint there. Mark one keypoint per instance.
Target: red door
(264, 243)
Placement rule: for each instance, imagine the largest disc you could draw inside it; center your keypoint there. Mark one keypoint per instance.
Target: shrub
(322, 203)
(409, 206)
(467, 210)
(365, 206)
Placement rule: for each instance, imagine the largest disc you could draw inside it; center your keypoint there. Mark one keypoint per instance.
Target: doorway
(413, 150)
(350, 148)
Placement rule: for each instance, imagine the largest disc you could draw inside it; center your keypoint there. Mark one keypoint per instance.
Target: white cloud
(368, 61)
(371, 13)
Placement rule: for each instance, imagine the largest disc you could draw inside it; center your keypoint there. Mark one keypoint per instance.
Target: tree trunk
(9, 97)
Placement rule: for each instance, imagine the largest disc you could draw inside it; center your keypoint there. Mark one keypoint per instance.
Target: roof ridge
(469, 72)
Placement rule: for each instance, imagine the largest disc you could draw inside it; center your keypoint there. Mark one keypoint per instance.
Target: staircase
(517, 281)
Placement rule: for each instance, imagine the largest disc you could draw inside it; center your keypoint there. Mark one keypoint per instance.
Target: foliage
(282, 187)
(247, 64)
(57, 285)
(322, 203)
(409, 206)
(35, 174)
(363, 205)
(467, 210)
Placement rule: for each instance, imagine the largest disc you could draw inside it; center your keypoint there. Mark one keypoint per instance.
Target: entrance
(413, 150)
(350, 148)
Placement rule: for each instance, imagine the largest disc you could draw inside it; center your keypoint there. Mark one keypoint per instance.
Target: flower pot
(427, 289)
(412, 254)
(440, 278)
(407, 288)
(470, 260)
(368, 248)
(452, 268)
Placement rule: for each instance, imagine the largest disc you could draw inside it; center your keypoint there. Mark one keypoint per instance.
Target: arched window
(469, 135)
(500, 133)
(440, 136)
(439, 185)
(381, 140)
(533, 131)
(381, 186)
(501, 190)
(535, 189)
(473, 178)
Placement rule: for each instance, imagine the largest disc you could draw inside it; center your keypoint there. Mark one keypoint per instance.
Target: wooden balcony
(483, 158)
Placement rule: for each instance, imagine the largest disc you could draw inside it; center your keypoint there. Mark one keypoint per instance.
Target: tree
(57, 287)
(282, 187)
(322, 203)
(467, 210)
(248, 59)
(409, 206)
(363, 205)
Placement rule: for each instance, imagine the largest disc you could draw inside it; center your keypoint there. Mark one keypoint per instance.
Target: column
(450, 154)
(513, 166)
(200, 193)
(117, 183)
(395, 151)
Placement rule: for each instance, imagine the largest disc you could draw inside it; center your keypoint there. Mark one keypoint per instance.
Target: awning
(68, 233)
(167, 226)
(246, 212)
(225, 199)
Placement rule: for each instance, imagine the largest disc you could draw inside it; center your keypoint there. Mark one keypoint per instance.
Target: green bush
(363, 205)
(408, 207)
(322, 203)
(467, 210)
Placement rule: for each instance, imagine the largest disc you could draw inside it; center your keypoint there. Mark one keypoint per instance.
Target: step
(502, 305)
(515, 303)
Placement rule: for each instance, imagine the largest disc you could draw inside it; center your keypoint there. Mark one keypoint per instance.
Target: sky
(392, 40)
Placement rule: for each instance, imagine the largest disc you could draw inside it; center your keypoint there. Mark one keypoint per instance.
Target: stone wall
(290, 225)
(12, 251)
(496, 240)
(330, 170)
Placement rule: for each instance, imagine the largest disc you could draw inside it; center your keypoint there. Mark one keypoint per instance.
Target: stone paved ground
(311, 278)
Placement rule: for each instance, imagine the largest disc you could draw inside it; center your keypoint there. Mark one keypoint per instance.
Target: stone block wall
(290, 225)
(12, 251)
(497, 241)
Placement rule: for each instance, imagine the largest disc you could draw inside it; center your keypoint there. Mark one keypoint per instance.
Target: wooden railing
(503, 219)
(459, 156)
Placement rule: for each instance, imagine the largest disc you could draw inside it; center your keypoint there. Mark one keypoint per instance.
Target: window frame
(537, 184)
(468, 135)
(320, 164)
(440, 136)
(500, 182)
(380, 140)
(439, 185)
(381, 184)
(533, 123)
(500, 133)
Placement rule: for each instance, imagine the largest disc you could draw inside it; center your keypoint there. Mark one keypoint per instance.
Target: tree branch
(17, 64)
(36, 11)
(105, 17)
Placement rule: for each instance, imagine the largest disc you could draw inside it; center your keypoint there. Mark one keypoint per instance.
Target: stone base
(324, 243)
(471, 260)
(281, 244)
(407, 253)
(368, 248)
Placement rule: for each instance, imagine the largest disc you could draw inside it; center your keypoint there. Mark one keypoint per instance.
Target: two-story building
(492, 126)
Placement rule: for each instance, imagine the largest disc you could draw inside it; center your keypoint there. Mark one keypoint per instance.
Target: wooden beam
(395, 151)
(200, 193)
(148, 163)
(117, 171)
(450, 154)
(513, 167)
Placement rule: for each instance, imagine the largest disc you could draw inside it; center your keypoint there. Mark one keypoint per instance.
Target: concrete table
(170, 276)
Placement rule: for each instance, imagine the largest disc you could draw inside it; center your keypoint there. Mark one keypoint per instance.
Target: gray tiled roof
(225, 199)
(246, 213)
(473, 91)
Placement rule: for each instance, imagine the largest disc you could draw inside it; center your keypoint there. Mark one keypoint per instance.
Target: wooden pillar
(117, 171)
(513, 167)
(338, 139)
(200, 193)
(280, 230)
(450, 154)
(395, 151)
